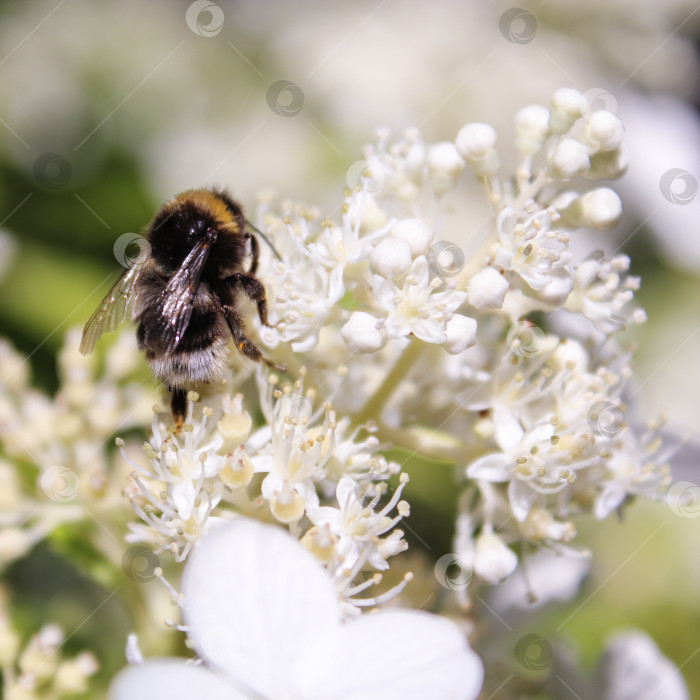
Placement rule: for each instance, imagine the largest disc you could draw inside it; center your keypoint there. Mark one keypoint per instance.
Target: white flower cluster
(491, 354)
(64, 442)
(37, 668)
(319, 479)
(535, 420)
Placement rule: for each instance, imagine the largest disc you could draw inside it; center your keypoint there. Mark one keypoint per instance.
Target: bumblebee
(183, 292)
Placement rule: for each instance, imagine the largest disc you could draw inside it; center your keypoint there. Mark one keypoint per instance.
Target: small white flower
(359, 528)
(265, 620)
(417, 307)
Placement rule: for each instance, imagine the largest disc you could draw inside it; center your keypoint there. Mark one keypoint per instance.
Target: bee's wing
(112, 311)
(178, 297)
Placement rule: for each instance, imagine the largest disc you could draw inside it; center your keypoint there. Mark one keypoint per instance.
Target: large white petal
(173, 679)
(395, 655)
(257, 604)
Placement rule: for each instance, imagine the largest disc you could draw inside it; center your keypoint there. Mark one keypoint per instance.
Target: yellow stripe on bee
(211, 203)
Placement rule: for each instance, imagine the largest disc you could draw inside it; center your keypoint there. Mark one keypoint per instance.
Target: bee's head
(176, 230)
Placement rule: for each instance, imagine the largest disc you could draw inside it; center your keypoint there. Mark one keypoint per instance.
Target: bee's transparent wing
(177, 300)
(112, 311)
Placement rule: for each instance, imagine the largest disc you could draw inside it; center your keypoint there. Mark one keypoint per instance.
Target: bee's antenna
(264, 237)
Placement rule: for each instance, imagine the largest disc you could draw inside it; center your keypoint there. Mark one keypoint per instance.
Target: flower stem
(373, 408)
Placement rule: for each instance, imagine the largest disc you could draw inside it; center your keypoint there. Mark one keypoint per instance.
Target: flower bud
(390, 257)
(363, 333)
(570, 159)
(476, 143)
(461, 334)
(493, 560)
(609, 165)
(531, 129)
(599, 209)
(445, 165)
(416, 233)
(567, 106)
(487, 289)
(604, 131)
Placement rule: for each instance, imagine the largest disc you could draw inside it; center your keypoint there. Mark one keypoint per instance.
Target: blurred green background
(109, 108)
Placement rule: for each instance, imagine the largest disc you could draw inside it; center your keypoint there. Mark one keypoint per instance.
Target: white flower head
(264, 619)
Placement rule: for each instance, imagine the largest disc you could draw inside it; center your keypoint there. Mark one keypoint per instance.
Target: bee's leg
(253, 288)
(244, 345)
(178, 405)
(254, 253)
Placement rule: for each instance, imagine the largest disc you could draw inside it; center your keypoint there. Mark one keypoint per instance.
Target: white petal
(396, 655)
(183, 498)
(506, 428)
(521, 498)
(173, 679)
(632, 667)
(257, 603)
(492, 467)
